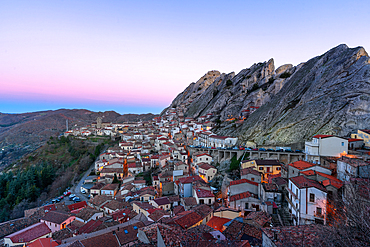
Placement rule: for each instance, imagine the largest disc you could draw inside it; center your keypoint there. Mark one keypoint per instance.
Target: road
(77, 188)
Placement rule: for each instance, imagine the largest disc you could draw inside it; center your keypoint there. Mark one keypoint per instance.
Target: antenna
(67, 123)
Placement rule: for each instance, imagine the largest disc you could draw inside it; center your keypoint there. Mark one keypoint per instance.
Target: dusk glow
(136, 56)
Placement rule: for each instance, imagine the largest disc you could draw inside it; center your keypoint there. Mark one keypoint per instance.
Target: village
(173, 182)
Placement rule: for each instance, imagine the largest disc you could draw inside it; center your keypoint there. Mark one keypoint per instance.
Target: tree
(349, 216)
(115, 179)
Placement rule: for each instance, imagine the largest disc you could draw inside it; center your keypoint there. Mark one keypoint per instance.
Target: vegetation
(285, 75)
(45, 174)
(234, 165)
(271, 80)
(229, 83)
(254, 88)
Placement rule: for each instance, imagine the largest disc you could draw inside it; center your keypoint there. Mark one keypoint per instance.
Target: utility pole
(67, 123)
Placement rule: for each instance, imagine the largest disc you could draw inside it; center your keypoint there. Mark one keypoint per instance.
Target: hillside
(22, 133)
(328, 94)
(46, 172)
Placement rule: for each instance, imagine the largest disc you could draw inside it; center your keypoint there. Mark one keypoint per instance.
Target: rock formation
(329, 94)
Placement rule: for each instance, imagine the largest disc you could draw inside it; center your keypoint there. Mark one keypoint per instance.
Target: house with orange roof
(245, 202)
(325, 146)
(332, 184)
(217, 223)
(203, 196)
(243, 185)
(296, 168)
(28, 235)
(206, 171)
(202, 158)
(354, 143)
(265, 167)
(307, 200)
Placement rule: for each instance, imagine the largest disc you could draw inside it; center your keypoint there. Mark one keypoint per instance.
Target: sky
(136, 56)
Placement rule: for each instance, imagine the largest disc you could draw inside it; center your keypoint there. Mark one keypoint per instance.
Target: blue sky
(136, 56)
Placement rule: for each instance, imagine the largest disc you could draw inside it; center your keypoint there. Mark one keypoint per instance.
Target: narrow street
(76, 189)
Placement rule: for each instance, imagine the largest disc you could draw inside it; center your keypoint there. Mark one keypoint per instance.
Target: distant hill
(21, 133)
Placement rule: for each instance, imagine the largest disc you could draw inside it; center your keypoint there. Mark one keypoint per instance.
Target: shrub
(215, 93)
(254, 87)
(285, 75)
(271, 80)
(229, 83)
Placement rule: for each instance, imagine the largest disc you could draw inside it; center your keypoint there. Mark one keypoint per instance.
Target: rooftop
(303, 182)
(56, 217)
(242, 181)
(217, 222)
(301, 164)
(29, 233)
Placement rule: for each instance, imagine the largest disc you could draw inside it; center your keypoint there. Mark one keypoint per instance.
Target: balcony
(320, 216)
(291, 203)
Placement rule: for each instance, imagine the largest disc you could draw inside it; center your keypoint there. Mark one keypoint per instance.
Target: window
(252, 179)
(312, 197)
(319, 211)
(296, 192)
(278, 168)
(260, 168)
(342, 144)
(246, 206)
(209, 201)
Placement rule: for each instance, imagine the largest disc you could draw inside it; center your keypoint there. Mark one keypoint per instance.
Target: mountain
(328, 94)
(21, 133)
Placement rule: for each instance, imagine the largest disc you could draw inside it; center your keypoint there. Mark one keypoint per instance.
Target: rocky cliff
(328, 94)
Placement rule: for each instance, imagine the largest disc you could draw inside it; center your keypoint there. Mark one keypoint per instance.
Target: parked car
(262, 149)
(270, 149)
(54, 201)
(71, 197)
(83, 191)
(255, 149)
(67, 193)
(298, 151)
(248, 149)
(76, 199)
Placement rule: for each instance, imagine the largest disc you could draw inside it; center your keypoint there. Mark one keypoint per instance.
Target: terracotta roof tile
(242, 181)
(217, 223)
(57, 217)
(240, 196)
(29, 233)
(188, 220)
(303, 182)
(301, 164)
(202, 193)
